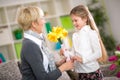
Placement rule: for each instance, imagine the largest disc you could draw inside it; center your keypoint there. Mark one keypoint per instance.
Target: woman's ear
(34, 24)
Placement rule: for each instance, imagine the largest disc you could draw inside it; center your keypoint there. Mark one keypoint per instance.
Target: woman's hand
(61, 61)
(66, 66)
(77, 58)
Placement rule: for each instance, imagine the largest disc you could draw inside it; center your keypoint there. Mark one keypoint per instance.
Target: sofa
(11, 71)
(108, 74)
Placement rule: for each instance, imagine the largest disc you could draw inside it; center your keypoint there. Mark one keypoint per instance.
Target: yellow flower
(52, 37)
(57, 34)
(57, 31)
(64, 33)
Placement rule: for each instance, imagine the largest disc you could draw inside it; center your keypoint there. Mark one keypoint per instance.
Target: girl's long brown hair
(83, 12)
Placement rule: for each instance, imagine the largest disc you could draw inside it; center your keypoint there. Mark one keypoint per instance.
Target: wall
(113, 12)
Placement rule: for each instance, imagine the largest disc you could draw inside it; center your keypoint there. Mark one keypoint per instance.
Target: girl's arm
(83, 47)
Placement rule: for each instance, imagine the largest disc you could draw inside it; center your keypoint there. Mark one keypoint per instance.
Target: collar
(35, 37)
(85, 28)
(35, 34)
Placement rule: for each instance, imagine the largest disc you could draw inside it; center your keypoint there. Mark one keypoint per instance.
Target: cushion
(111, 78)
(106, 71)
(10, 71)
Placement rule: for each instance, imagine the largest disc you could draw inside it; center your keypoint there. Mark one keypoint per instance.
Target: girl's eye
(74, 20)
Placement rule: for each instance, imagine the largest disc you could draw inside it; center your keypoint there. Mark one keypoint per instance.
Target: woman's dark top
(32, 67)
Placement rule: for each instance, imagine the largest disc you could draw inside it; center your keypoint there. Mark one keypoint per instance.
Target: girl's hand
(77, 58)
(61, 52)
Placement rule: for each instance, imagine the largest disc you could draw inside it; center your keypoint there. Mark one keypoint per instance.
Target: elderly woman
(36, 61)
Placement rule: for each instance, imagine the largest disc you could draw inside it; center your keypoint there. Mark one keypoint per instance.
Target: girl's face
(78, 22)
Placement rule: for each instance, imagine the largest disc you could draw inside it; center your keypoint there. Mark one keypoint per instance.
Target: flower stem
(60, 41)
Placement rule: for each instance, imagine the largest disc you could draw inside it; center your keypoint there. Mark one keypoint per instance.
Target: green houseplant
(18, 33)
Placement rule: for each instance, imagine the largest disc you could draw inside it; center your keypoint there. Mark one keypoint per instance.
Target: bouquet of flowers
(57, 35)
(115, 59)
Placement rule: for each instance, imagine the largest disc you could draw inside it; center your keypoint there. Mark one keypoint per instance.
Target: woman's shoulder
(29, 47)
(28, 43)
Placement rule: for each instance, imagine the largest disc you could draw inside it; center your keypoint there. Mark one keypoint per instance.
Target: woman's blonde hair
(27, 15)
(83, 12)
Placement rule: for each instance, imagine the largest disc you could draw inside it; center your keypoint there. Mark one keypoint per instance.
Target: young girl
(87, 45)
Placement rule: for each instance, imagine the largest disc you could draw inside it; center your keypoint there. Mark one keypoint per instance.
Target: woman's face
(38, 26)
(78, 22)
